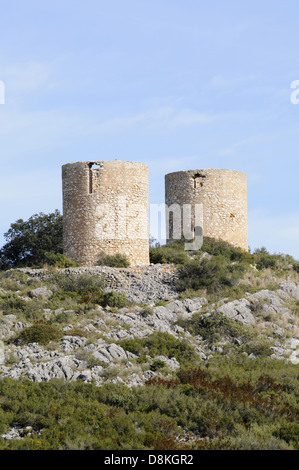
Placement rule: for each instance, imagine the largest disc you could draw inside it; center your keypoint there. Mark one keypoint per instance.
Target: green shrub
(11, 303)
(13, 280)
(77, 332)
(59, 260)
(62, 317)
(16, 275)
(61, 296)
(278, 262)
(169, 254)
(289, 433)
(258, 347)
(80, 283)
(69, 302)
(147, 310)
(174, 253)
(114, 299)
(157, 364)
(161, 303)
(212, 274)
(222, 248)
(263, 259)
(221, 273)
(88, 357)
(215, 326)
(117, 261)
(162, 344)
(238, 291)
(33, 311)
(39, 333)
(110, 299)
(234, 403)
(28, 241)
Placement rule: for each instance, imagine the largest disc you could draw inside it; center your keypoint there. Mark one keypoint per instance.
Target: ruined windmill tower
(105, 209)
(223, 195)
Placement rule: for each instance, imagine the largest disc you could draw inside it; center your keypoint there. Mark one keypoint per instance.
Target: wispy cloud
(167, 118)
(23, 131)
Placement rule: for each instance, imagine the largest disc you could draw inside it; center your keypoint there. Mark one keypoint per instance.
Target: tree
(30, 242)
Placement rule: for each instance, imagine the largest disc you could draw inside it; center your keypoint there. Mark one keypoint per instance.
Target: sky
(175, 84)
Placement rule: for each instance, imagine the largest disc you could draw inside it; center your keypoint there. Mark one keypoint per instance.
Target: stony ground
(98, 356)
(146, 284)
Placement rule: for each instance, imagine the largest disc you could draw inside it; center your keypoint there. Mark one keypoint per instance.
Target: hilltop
(199, 320)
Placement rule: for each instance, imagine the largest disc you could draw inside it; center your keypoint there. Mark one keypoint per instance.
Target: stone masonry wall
(105, 209)
(223, 194)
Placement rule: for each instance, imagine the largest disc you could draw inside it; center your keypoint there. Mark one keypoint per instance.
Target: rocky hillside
(52, 330)
(196, 351)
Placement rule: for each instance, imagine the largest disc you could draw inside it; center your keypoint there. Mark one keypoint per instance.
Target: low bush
(259, 347)
(157, 364)
(277, 262)
(39, 333)
(77, 332)
(147, 310)
(114, 299)
(161, 303)
(59, 260)
(264, 260)
(289, 433)
(162, 344)
(216, 326)
(211, 274)
(13, 280)
(172, 253)
(61, 317)
(88, 357)
(228, 251)
(11, 303)
(110, 299)
(223, 270)
(116, 261)
(78, 283)
(233, 403)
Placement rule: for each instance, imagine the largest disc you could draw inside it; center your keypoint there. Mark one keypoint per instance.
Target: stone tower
(223, 195)
(105, 209)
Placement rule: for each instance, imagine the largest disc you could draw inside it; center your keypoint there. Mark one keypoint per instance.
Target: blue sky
(176, 84)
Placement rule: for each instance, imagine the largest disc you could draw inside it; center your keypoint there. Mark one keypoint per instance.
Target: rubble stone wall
(105, 209)
(223, 195)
